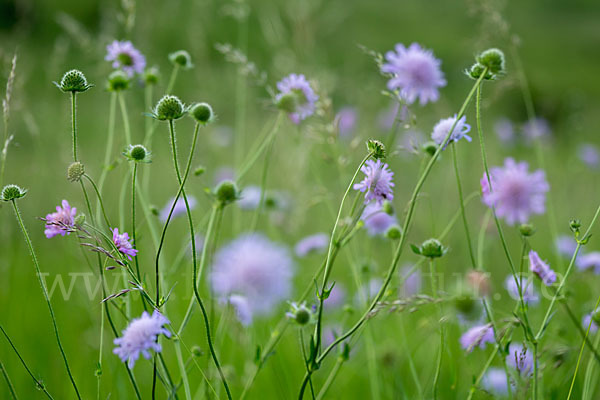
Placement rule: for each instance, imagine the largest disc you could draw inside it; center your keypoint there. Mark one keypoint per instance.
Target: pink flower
(123, 243)
(62, 222)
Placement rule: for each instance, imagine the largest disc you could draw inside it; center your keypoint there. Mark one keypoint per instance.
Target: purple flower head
(126, 57)
(313, 243)
(541, 269)
(123, 243)
(307, 98)
(519, 359)
(415, 73)
(494, 381)
(589, 261)
(530, 295)
(256, 269)
(505, 130)
(477, 336)
(587, 319)
(411, 283)
(376, 220)
(346, 121)
(242, 309)
(141, 336)
(516, 194)
(61, 222)
(179, 207)
(566, 245)
(442, 128)
(250, 199)
(536, 128)
(377, 184)
(589, 155)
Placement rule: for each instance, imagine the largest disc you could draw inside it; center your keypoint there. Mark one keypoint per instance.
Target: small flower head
(477, 336)
(520, 359)
(442, 129)
(181, 58)
(296, 97)
(126, 57)
(61, 222)
(118, 80)
(394, 232)
(515, 193)
(430, 147)
(377, 184)
(168, 108)
(477, 70)
(376, 148)
(541, 269)
(493, 60)
(526, 230)
(141, 336)
(12, 192)
(300, 313)
(202, 113)
(415, 73)
(431, 248)
(227, 192)
(123, 243)
(73, 81)
(151, 76)
(75, 171)
(530, 295)
(137, 153)
(316, 243)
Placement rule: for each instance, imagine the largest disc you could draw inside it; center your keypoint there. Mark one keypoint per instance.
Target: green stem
(46, 297)
(11, 388)
(332, 375)
(462, 206)
(125, 117)
(109, 142)
(440, 315)
(256, 154)
(100, 202)
(263, 187)
(133, 230)
(173, 78)
(74, 125)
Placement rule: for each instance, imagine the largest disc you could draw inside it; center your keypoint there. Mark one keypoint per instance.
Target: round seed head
(137, 153)
(493, 59)
(12, 192)
(432, 248)
(73, 81)
(476, 70)
(151, 76)
(118, 80)
(169, 108)
(181, 58)
(202, 112)
(302, 315)
(75, 171)
(377, 148)
(227, 192)
(527, 230)
(394, 232)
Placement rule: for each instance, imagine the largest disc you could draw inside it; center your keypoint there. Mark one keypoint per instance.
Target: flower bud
(12, 192)
(377, 148)
(575, 224)
(73, 81)
(431, 248)
(181, 58)
(227, 192)
(202, 112)
(394, 232)
(75, 172)
(118, 80)
(137, 153)
(197, 351)
(169, 108)
(151, 76)
(493, 59)
(154, 210)
(200, 169)
(387, 207)
(476, 70)
(526, 230)
(430, 147)
(300, 313)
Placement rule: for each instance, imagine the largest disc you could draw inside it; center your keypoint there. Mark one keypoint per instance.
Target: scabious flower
(313, 243)
(589, 261)
(536, 128)
(179, 207)
(520, 359)
(530, 295)
(494, 381)
(346, 121)
(123, 244)
(250, 199)
(515, 193)
(589, 318)
(589, 155)
(566, 245)
(442, 128)
(415, 73)
(140, 337)
(255, 268)
(477, 336)
(376, 220)
(61, 222)
(377, 184)
(541, 269)
(242, 308)
(126, 57)
(306, 98)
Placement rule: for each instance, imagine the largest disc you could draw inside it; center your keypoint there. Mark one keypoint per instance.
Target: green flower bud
(493, 59)
(202, 112)
(526, 230)
(200, 169)
(75, 172)
(197, 351)
(300, 313)
(118, 80)
(377, 148)
(430, 147)
(394, 232)
(432, 248)
(12, 192)
(137, 153)
(73, 81)
(151, 76)
(154, 210)
(476, 70)
(575, 224)
(181, 58)
(169, 108)
(387, 207)
(227, 192)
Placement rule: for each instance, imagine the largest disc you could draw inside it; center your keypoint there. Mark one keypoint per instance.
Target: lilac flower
(442, 128)
(530, 295)
(346, 121)
(313, 243)
(250, 199)
(494, 381)
(588, 154)
(589, 261)
(255, 268)
(566, 245)
(242, 309)
(377, 183)
(516, 194)
(125, 56)
(376, 220)
(141, 336)
(505, 130)
(541, 269)
(386, 118)
(520, 359)
(589, 319)
(336, 297)
(411, 283)
(122, 242)
(307, 98)
(536, 128)
(62, 222)
(477, 336)
(179, 207)
(415, 72)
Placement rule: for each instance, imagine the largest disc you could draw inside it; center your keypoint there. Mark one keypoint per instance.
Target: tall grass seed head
(227, 192)
(493, 59)
(12, 192)
(202, 112)
(181, 58)
(75, 171)
(73, 81)
(137, 153)
(169, 108)
(151, 76)
(377, 148)
(118, 80)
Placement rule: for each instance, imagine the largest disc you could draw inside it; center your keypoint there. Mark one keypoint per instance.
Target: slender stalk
(125, 117)
(74, 124)
(394, 131)
(11, 388)
(184, 378)
(172, 78)
(441, 348)
(133, 230)
(263, 187)
(255, 155)
(100, 202)
(112, 110)
(462, 206)
(332, 375)
(46, 297)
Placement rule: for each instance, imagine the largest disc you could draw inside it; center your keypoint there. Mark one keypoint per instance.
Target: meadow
(299, 200)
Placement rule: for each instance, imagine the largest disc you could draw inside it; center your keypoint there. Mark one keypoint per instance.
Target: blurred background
(558, 43)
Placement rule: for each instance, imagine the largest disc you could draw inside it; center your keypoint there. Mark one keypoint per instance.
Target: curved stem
(96, 189)
(9, 384)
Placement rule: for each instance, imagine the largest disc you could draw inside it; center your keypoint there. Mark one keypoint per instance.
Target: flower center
(125, 59)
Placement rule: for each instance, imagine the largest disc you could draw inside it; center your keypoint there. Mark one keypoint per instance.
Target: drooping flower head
(442, 128)
(305, 96)
(477, 336)
(415, 73)
(346, 121)
(179, 207)
(61, 222)
(126, 57)
(530, 295)
(376, 220)
(520, 359)
(140, 337)
(255, 268)
(589, 261)
(123, 243)
(377, 184)
(541, 269)
(515, 193)
(312, 244)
